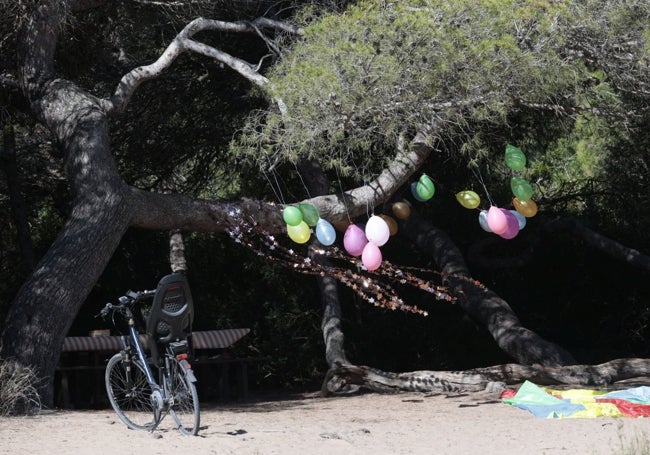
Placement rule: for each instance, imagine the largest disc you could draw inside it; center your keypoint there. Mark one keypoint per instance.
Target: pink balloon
(497, 220)
(371, 256)
(377, 230)
(354, 240)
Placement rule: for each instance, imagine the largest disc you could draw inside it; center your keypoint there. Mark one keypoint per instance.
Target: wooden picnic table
(84, 354)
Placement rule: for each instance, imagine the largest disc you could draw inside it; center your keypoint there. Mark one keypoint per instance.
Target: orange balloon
(390, 221)
(526, 208)
(401, 210)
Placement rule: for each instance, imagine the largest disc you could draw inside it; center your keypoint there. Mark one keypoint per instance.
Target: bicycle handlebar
(127, 301)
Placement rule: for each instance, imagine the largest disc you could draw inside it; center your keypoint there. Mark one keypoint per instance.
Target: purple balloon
(354, 240)
(513, 225)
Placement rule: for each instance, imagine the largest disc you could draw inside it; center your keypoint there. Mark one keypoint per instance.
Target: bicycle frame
(135, 342)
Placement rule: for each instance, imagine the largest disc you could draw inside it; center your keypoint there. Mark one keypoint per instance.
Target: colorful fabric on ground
(579, 403)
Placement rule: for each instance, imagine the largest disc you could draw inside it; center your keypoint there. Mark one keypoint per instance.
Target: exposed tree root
(341, 377)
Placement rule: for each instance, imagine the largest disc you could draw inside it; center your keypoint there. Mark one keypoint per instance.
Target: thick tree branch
(183, 42)
(176, 211)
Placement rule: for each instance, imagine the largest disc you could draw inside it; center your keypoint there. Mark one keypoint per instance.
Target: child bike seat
(172, 311)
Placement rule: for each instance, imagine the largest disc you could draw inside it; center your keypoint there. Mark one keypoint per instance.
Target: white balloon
(377, 230)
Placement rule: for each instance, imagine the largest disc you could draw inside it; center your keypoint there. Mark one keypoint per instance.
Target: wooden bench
(84, 360)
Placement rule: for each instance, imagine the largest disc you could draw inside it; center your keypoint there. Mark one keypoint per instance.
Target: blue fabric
(551, 411)
(635, 395)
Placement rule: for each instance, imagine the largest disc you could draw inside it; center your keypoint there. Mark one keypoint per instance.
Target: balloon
(468, 199)
(371, 256)
(425, 188)
(325, 232)
(392, 224)
(497, 220)
(377, 230)
(414, 192)
(521, 188)
(291, 215)
(515, 158)
(299, 233)
(483, 221)
(513, 225)
(520, 219)
(526, 208)
(309, 214)
(401, 210)
(354, 240)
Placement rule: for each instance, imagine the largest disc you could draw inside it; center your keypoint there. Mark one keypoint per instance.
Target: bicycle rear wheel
(185, 407)
(129, 392)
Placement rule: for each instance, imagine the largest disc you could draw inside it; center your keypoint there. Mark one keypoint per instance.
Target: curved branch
(183, 42)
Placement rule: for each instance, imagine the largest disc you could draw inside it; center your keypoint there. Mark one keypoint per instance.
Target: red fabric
(627, 408)
(508, 393)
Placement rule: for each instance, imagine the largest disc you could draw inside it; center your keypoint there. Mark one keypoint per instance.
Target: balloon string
(345, 205)
(480, 179)
(301, 180)
(365, 182)
(277, 193)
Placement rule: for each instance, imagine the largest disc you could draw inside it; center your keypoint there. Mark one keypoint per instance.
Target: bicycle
(139, 400)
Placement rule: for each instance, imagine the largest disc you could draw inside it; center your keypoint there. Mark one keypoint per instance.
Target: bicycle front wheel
(129, 392)
(185, 403)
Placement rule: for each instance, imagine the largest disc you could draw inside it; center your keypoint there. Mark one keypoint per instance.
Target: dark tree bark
(18, 207)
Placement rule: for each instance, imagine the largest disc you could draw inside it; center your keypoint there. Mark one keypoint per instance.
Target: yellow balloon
(390, 221)
(468, 199)
(299, 233)
(401, 210)
(526, 208)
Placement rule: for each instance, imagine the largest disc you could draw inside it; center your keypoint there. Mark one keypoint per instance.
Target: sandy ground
(408, 423)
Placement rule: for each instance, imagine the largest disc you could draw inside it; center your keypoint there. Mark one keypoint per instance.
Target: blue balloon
(482, 220)
(325, 232)
(415, 194)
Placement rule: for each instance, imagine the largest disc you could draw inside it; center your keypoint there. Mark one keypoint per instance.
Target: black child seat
(172, 313)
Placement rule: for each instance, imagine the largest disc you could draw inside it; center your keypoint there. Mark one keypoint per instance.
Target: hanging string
(301, 180)
(345, 205)
(477, 174)
(278, 194)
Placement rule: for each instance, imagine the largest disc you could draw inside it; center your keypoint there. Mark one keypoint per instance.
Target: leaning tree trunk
(45, 306)
(482, 304)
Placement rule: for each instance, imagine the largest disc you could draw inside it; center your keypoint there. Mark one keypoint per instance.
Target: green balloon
(291, 215)
(310, 214)
(425, 187)
(515, 158)
(521, 188)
